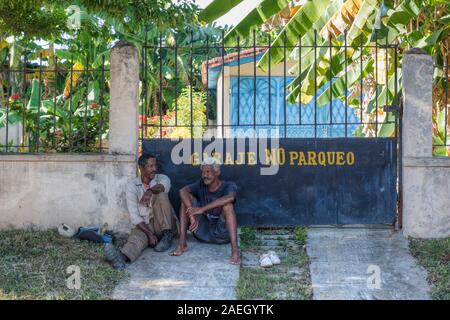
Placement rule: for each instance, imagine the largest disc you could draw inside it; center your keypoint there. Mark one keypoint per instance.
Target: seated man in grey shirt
(207, 208)
(151, 214)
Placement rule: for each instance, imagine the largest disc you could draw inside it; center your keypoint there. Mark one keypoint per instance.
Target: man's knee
(162, 197)
(228, 208)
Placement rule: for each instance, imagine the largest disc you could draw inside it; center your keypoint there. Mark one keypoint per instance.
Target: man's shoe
(166, 241)
(115, 256)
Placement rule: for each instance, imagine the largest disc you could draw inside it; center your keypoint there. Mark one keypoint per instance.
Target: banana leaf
(364, 13)
(338, 87)
(33, 102)
(386, 90)
(302, 22)
(216, 9)
(260, 14)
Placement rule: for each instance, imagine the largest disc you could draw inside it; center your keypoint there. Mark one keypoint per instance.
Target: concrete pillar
(124, 99)
(417, 77)
(425, 178)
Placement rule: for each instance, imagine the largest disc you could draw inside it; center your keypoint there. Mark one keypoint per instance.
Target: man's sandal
(274, 257)
(265, 261)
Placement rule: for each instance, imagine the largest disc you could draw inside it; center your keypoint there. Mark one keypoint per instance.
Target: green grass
(301, 234)
(289, 280)
(247, 238)
(33, 265)
(432, 254)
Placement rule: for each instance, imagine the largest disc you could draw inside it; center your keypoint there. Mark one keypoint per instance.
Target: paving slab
(345, 264)
(201, 273)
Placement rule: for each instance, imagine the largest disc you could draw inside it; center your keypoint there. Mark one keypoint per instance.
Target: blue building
(241, 107)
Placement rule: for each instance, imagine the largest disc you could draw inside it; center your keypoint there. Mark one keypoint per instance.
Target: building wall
(43, 191)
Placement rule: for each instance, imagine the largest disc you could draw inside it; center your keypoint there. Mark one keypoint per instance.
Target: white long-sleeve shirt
(135, 190)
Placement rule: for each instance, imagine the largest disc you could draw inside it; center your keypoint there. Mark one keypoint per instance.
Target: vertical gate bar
(446, 102)
(376, 83)
(8, 105)
(239, 80)
(207, 80)
(70, 106)
(86, 103)
(315, 83)
(270, 96)
(143, 116)
(24, 93)
(346, 80)
(361, 77)
(176, 79)
(191, 81)
(39, 102)
(146, 110)
(399, 117)
(223, 82)
(331, 79)
(160, 85)
(54, 101)
(254, 83)
(300, 79)
(284, 82)
(396, 95)
(102, 101)
(387, 79)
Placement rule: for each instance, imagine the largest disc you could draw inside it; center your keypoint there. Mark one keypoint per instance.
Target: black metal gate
(309, 135)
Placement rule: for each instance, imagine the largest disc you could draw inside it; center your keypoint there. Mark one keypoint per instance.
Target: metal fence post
(124, 99)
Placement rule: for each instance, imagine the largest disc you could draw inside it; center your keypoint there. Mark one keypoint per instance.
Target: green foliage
(48, 19)
(56, 122)
(410, 23)
(33, 18)
(247, 234)
(217, 9)
(434, 256)
(185, 116)
(56, 115)
(301, 235)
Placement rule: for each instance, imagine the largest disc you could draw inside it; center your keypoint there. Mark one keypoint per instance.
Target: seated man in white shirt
(151, 214)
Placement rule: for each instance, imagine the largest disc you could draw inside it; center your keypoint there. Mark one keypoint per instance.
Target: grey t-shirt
(200, 191)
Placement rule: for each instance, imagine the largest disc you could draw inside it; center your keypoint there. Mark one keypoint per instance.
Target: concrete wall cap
(416, 51)
(123, 43)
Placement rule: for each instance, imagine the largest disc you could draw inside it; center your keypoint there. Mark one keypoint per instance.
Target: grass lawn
(289, 280)
(33, 265)
(434, 255)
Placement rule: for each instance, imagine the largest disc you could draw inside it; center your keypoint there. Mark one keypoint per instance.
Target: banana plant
(343, 31)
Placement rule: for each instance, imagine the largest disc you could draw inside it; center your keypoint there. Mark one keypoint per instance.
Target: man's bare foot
(180, 249)
(235, 258)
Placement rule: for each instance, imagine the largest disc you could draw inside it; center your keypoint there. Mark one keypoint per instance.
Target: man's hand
(152, 240)
(193, 211)
(193, 225)
(146, 198)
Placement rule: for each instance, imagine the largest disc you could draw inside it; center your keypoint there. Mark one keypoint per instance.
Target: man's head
(147, 166)
(210, 170)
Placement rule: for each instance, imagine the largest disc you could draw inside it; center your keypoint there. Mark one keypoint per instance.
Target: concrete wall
(426, 179)
(45, 190)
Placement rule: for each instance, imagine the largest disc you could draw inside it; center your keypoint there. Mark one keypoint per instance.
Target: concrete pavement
(368, 264)
(201, 273)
